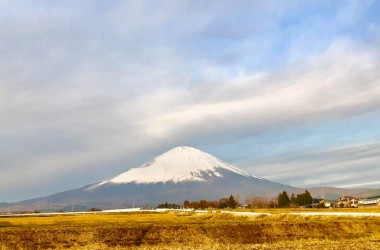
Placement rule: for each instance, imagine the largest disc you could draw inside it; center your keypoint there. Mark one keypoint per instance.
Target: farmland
(188, 231)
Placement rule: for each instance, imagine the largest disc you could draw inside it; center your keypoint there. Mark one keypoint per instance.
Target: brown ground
(188, 231)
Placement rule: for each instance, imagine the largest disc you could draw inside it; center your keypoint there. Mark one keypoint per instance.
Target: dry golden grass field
(189, 231)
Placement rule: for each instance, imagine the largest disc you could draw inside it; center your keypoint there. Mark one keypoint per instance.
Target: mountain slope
(179, 174)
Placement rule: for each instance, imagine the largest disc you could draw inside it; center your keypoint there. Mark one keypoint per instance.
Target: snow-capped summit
(180, 164)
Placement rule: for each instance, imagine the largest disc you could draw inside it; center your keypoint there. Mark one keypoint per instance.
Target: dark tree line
(283, 200)
(168, 205)
(221, 203)
(303, 199)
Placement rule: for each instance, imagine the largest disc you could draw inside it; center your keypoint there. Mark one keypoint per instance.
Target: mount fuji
(182, 173)
(180, 164)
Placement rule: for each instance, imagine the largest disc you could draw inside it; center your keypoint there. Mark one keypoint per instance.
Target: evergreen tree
(293, 199)
(186, 204)
(308, 198)
(231, 202)
(223, 203)
(301, 199)
(283, 199)
(304, 199)
(203, 204)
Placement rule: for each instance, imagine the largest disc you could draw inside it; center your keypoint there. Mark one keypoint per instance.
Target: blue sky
(286, 90)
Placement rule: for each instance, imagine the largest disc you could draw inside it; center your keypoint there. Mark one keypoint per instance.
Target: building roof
(373, 198)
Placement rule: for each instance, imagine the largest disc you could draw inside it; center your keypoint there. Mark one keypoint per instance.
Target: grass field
(188, 231)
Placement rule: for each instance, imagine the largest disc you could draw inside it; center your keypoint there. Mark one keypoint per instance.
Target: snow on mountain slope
(180, 164)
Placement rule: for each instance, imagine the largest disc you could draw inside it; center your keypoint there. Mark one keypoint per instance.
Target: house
(370, 201)
(320, 203)
(327, 204)
(347, 201)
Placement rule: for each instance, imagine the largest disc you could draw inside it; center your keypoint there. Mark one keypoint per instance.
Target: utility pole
(322, 194)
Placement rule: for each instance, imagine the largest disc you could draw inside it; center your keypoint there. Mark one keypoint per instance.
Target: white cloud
(355, 165)
(338, 83)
